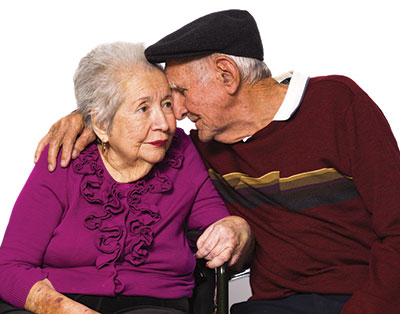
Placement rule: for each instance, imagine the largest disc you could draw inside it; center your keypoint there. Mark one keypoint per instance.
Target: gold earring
(103, 146)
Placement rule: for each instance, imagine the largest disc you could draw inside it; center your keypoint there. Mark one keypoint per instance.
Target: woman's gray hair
(251, 70)
(98, 80)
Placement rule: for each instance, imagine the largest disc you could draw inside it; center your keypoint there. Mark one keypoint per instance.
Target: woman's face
(144, 124)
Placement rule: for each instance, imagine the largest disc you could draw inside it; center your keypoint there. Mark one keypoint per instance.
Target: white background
(43, 41)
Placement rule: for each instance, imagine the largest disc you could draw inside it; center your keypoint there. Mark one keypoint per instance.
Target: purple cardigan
(89, 234)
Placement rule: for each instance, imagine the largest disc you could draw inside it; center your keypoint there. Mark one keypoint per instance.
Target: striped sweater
(321, 192)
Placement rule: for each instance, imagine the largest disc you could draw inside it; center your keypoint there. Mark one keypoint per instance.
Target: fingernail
(74, 153)
(51, 168)
(207, 265)
(35, 160)
(63, 163)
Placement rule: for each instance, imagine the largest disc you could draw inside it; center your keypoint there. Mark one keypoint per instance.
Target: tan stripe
(240, 180)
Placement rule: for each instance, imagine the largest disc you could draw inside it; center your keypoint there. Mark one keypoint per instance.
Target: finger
(69, 142)
(220, 259)
(72, 126)
(205, 243)
(222, 252)
(235, 256)
(216, 247)
(42, 144)
(83, 140)
(67, 145)
(54, 148)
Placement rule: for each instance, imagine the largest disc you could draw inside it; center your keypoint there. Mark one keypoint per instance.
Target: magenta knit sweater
(89, 234)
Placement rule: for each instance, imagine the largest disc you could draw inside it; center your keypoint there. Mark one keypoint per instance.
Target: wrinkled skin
(44, 299)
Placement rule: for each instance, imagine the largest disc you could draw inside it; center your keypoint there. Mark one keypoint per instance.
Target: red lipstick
(158, 143)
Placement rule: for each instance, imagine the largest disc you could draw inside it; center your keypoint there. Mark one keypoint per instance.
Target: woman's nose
(160, 121)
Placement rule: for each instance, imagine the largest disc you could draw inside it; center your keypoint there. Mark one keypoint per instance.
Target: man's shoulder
(334, 82)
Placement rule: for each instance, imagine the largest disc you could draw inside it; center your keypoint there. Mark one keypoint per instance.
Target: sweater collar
(294, 95)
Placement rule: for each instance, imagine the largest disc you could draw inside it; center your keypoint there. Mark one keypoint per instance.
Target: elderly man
(310, 163)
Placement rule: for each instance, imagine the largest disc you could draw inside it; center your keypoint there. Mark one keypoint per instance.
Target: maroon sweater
(321, 192)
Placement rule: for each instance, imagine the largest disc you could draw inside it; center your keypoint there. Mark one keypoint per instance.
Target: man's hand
(64, 133)
(227, 240)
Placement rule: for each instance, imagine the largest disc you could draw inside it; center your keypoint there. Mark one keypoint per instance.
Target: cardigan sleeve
(375, 164)
(208, 206)
(35, 215)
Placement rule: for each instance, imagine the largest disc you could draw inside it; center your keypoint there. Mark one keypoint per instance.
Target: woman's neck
(121, 170)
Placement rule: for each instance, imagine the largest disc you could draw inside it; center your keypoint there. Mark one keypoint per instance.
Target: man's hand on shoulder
(69, 132)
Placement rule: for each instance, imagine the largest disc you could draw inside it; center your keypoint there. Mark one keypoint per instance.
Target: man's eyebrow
(176, 87)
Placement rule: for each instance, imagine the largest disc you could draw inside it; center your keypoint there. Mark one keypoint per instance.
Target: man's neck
(255, 107)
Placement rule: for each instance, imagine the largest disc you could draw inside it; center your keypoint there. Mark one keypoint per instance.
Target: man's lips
(158, 143)
(194, 120)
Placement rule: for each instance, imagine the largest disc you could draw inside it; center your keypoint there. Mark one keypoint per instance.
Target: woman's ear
(228, 73)
(100, 132)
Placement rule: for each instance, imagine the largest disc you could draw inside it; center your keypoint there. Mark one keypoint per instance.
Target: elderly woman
(108, 233)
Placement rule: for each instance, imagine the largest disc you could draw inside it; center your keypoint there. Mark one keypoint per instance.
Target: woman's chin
(156, 157)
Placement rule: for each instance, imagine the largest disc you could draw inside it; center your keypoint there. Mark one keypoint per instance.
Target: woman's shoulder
(88, 155)
(183, 144)
(184, 141)
(181, 135)
(183, 149)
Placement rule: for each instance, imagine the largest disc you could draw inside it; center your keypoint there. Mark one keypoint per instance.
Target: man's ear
(100, 132)
(227, 73)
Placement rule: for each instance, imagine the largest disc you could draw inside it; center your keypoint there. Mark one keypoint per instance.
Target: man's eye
(142, 109)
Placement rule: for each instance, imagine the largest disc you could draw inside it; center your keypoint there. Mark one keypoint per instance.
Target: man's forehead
(175, 75)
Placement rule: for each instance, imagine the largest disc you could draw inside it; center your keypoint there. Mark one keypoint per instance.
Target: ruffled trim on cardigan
(125, 225)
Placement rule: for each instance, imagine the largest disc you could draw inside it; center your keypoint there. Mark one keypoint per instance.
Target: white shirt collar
(294, 94)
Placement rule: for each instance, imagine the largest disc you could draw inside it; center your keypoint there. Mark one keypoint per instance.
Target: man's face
(203, 103)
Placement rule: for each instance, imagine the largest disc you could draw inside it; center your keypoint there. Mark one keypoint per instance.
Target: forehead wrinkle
(147, 96)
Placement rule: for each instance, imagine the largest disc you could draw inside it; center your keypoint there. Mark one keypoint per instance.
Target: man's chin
(204, 137)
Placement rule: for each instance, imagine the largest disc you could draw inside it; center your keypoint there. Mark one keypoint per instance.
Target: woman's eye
(142, 109)
(167, 104)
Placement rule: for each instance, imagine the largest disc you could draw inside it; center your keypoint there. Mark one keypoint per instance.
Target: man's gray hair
(251, 70)
(98, 80)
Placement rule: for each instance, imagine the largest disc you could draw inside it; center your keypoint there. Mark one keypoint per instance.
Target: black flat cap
(232, 32)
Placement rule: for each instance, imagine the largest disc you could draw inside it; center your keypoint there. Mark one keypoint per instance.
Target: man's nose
(179, 107)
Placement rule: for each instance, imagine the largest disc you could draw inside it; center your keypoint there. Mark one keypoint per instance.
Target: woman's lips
(158, 143)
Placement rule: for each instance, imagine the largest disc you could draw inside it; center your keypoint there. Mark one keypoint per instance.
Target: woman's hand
(227, 240)
(44, 299)
(65, 133)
